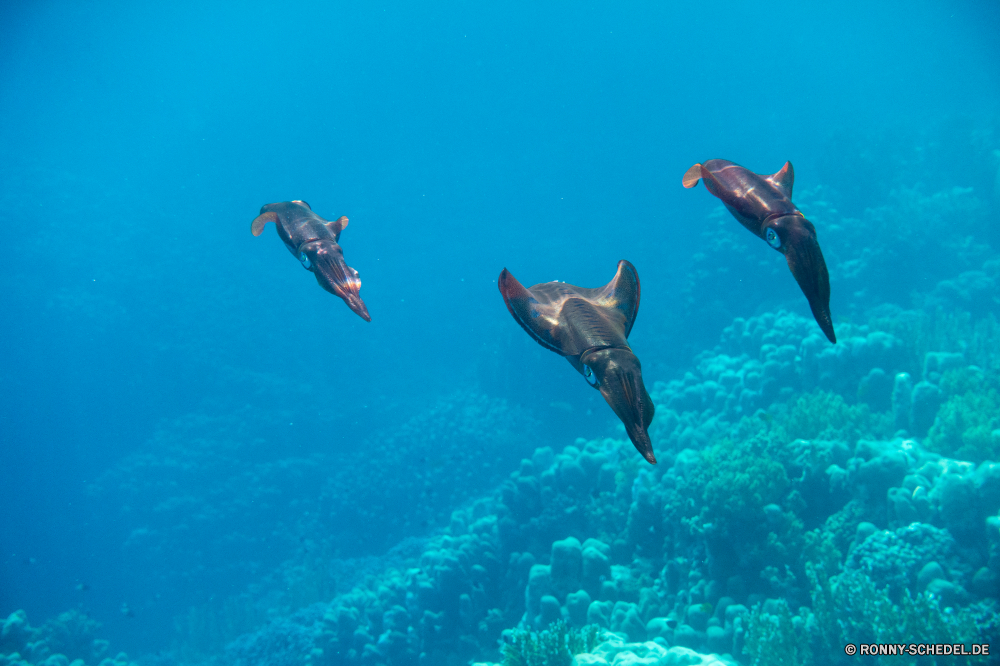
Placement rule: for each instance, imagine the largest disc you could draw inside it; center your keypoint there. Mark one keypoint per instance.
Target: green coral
(555, 646)
(850, 608)
(966, 422)
(825, 546)
(735, 483)
(825, 415)
(820, 545)
(740, 477)
(775, 637)
(938, 330)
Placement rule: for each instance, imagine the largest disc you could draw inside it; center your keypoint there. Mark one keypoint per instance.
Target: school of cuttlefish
(590, 326)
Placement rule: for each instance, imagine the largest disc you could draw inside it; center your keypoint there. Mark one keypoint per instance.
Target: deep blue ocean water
(139, 141)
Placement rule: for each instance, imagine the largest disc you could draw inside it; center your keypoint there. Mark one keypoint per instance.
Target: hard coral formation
(785, 486)
(896, 560)
(617, 652)
(208, 501)
(767, 359)
(66, 640)
(968, 425)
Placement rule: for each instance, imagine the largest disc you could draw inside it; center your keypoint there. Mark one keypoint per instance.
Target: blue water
(138, 142)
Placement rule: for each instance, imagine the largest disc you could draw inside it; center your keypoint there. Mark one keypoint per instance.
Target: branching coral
(554, 646)
(851, 608)
(826, 415)
(733, 496)
(739, 478)
(775, 636)
(966, 423)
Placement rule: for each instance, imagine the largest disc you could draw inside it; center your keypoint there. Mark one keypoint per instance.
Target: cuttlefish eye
(305, 260)
(589, 375)
(772, 238)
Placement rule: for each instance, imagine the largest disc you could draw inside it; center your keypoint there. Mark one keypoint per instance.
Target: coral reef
(183, 505)
(65, 640)
(968, 425)
(808, 494)
(786, 495)
(798, 483)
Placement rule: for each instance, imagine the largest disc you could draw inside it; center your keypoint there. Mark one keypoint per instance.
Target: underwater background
(207, 458)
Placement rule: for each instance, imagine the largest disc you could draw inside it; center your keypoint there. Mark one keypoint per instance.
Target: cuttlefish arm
(589, 327)
(315, 243)
(763, 204)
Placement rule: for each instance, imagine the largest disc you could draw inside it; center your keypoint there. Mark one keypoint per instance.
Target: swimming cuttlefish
(589, 327)
(763, 204)
(314, 242)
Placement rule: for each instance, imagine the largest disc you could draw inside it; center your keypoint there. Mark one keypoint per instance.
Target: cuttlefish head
(326, 260)
(795, 237)
(617, 374)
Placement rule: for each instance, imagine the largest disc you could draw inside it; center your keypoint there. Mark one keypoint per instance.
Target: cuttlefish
(589, 327)
(763, 204)
(314, 242)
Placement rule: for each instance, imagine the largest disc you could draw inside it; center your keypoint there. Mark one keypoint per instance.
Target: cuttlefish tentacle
(763, 204)
(589, 327)
(315, 243)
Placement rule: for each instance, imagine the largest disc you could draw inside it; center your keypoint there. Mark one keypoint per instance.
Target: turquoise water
(202, 448)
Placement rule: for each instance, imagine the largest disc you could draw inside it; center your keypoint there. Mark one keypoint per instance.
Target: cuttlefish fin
(692, 176)
(336, 226)
(698, 172)
(525, 309)
(257, 226)
(622, 294)
(783, 180)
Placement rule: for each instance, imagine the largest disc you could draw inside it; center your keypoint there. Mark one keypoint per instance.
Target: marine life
(589, 327)
(314, 242)
(763, 204)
